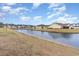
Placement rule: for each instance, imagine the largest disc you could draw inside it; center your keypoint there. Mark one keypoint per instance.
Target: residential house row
(41, 26)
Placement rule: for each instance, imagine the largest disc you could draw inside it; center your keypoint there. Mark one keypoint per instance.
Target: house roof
(42, 25)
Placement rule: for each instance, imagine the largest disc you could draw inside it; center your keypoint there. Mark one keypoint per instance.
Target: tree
(1, 25)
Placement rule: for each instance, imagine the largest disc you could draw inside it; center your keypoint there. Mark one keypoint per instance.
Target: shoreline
(53, 41)
(18, 44)
(59, 44)
(66, 31)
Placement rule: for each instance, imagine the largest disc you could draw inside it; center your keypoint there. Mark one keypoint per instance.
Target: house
(31, 27)
(11, 26)
(60, 25)
(41, 26)
(55, 25)
(66, 26)
(74, 26)
(6, 26)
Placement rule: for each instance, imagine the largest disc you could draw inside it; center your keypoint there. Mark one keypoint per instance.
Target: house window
(65, 27)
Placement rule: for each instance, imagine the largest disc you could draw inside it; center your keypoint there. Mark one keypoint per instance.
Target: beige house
(55, 25)
(41, 26)
(73, 27)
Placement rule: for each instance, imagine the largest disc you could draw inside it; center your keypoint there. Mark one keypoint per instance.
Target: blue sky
(39, 13)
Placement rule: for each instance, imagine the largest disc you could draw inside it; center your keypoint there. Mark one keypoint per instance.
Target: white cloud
(6, 8)
(70, 16)
(48, 13)
(73, 18)
(67, 15)
(53, 14)
(60, 9)
(24, 18)
(66, 19)
(37, 20)
(2, 14)
(63, 17)
(15, 11)
(36, 5)
(57, 11)
(37, 17)
(63, 20)
(52, 5)
(19, 10)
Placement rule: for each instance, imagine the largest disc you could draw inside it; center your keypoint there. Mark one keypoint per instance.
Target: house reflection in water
(60, 35)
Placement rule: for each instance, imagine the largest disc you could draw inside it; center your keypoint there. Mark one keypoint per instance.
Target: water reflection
(68, 36)
(69, 39)
(54, 35)
(30, 31)
(59, 35)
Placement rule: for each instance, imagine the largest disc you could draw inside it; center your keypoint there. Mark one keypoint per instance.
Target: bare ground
(16, 44)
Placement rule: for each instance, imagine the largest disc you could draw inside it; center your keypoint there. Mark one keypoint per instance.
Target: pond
(65, 39)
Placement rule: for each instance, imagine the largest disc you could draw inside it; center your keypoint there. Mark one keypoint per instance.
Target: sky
(39, 13)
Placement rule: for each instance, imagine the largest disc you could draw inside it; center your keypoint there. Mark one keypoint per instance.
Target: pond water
(66, 39)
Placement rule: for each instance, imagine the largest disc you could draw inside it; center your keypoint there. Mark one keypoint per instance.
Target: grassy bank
(12, 43)
(60, 30)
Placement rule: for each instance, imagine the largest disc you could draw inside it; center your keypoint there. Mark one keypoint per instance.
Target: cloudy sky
(39, 13)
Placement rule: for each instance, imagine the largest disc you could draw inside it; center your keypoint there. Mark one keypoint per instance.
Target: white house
(74, 27)
(55, 25)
